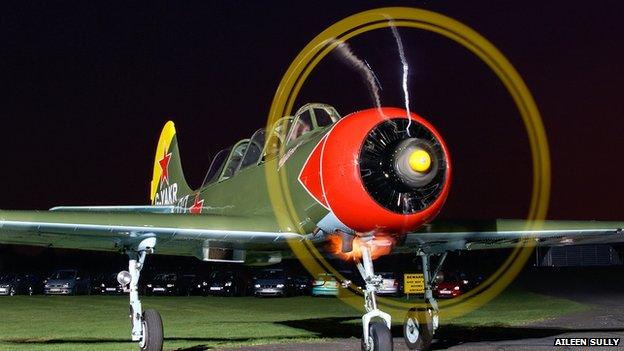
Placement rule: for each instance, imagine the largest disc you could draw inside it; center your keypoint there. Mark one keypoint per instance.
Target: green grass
(101, 322)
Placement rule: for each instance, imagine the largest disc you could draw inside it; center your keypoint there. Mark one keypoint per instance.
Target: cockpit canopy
(257, 149)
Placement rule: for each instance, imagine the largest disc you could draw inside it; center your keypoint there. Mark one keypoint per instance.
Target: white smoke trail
(399, 42)
(345, 52)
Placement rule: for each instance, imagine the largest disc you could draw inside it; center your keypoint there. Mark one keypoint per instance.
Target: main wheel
(418, 329)
(379, 338)
(152, 331)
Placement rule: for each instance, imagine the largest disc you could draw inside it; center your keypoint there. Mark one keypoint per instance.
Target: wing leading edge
(478, 235)
(177, 234)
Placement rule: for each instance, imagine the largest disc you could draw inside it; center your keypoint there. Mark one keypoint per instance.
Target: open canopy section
(265, 144)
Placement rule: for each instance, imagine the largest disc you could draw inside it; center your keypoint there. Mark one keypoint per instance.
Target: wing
(113, 228)
(474, 235)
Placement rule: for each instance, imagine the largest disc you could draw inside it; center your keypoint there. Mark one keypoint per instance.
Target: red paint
(164, 166)
(310, 174)
(341, 180)
(197, 206)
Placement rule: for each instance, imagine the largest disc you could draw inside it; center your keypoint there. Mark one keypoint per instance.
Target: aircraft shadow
(338, 328)
(446, 336)
(92, 341)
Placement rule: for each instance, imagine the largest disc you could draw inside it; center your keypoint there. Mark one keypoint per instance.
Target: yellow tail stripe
(164, 142)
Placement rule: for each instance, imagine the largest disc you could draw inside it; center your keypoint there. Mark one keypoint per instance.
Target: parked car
(107, 284)
(193, 284)
(164, 284)
(226, 283)
(96, 282)
(354, 278)
(67, 282)
(325, 284)
(272, 282)
(448, 289)
(23, 284)
(391, 284)
(452, 285)
(302, 285)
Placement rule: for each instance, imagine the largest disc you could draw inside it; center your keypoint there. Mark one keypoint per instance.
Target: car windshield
(166, 277)
(64, 275)
(222, 275)
(271, 274)
(325, 277)
(7, 277)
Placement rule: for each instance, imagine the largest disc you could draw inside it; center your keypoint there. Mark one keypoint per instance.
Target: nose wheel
(375, 323)
(379, 338)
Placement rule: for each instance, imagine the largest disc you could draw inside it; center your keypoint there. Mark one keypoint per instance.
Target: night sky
(87, 87)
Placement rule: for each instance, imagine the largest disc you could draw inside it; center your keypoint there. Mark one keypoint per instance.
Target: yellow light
(420, 161)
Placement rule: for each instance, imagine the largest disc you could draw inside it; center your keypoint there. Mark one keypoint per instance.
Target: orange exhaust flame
(379, 246)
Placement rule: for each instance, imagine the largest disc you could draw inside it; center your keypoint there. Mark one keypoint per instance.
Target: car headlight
(149, 285)
(66, 285)
(170, 285)
(257, 286)
(279, 286)
(46, 286)
(204, 283)
(102, 285)
(228, 284)
(456, 288)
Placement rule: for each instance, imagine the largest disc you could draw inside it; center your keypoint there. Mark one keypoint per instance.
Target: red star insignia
(164, 166)
(197, 206)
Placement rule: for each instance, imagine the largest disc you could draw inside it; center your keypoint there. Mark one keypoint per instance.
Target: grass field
(199, 323)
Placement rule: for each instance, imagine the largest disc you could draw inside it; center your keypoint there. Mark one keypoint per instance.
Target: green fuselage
(247, 192)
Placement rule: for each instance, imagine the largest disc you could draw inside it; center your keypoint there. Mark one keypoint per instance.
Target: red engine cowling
(361, 171)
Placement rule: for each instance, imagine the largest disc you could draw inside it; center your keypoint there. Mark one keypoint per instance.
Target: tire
(418, 329)
(380, 337)
(152, 331)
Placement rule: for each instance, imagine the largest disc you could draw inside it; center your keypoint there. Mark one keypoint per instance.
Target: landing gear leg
(147, 326)
(376, 334)
(421, 323)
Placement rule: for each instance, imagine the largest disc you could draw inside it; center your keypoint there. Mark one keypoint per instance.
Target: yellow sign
(414, 283)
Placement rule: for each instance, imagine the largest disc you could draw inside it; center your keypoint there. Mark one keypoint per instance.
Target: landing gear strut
(147, 326)
(376, 334)
(421, 323)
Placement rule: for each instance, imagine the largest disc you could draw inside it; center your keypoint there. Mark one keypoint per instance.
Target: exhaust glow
(378, 245)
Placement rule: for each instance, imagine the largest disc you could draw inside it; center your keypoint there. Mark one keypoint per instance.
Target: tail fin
(168, 183)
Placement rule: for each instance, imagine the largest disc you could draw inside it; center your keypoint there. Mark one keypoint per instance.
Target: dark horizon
(88, 87)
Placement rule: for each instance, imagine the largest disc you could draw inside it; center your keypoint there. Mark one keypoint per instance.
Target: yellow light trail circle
(366, 21)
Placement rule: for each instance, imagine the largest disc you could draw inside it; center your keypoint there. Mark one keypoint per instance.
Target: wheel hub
(412, 332)
(143, 335)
